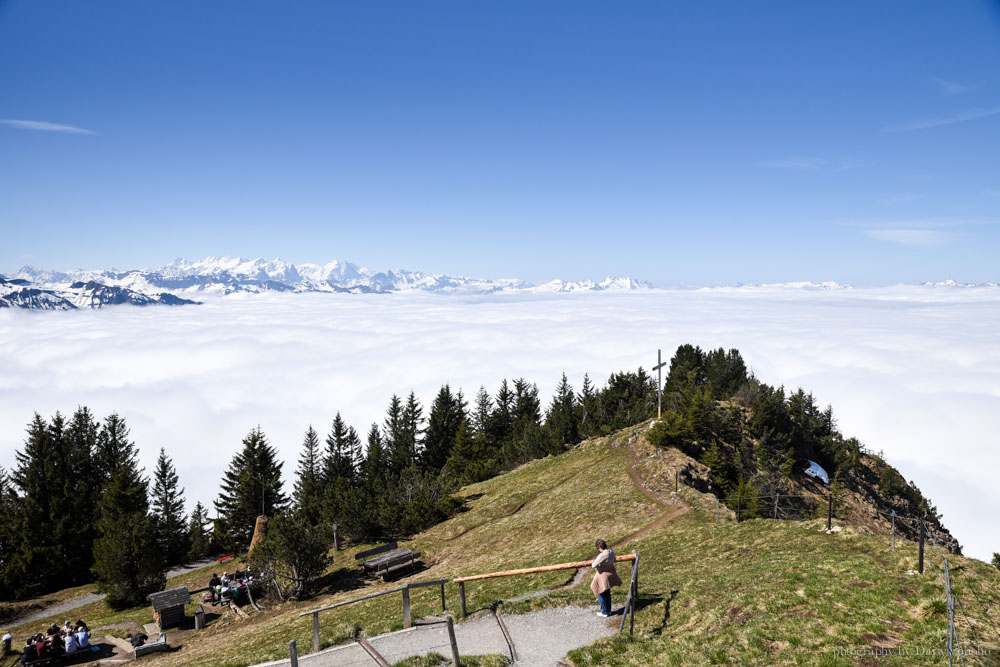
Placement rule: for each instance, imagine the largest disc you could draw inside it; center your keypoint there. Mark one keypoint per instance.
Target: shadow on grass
(666, 610)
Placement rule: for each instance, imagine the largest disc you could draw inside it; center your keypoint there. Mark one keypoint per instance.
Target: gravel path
(541, 638)
(70, 605)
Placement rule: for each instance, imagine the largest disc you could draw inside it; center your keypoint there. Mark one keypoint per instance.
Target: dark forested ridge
(108, 522)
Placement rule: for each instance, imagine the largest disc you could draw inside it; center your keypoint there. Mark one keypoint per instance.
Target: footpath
(541, 639)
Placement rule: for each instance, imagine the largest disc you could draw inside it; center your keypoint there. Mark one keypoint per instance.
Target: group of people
(227, 587)
(55, 642)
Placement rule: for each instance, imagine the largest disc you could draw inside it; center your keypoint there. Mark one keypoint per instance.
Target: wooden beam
(543, 568)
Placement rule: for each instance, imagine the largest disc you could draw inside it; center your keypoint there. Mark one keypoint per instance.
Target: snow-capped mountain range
(181, 281)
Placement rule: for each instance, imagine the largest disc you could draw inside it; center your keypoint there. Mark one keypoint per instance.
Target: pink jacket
(606, 575)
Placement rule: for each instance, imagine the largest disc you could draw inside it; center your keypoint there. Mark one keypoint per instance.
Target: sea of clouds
(912, 371)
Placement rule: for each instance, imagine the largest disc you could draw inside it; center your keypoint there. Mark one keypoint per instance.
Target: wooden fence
(404, 589)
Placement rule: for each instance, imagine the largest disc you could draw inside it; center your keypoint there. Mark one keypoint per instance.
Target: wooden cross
(659, 383)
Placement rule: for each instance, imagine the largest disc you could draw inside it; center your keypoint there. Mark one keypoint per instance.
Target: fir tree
(112, 443)
(168, 511)
(395, 437)
(587, 408)
(127, 559)
(38, 480)
(375, 465)
(338, 463)
(199, 537)
(446, 416)
(483, 412)
(250, 487)
(561, 421)
(413, 421)
(10, 511)
(308, 492)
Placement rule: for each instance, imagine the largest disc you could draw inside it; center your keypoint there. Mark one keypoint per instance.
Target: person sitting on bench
(83, 637)
(41, 648)
(55, 642)
(29, 653)
(70, 641)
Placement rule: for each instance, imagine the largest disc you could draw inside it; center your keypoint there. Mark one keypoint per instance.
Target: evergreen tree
(127, 559)
(199, 537)
(687, 359)
(483, 412)
(10, 511)
(725, 372)
(395, 436)
(376, 464)
(168, 511)
(561, 420)
(413, 421)
(446, 416)
(338, 463)
(308, 492)
(112, 443)
(37, 478)
(250, 487)
(588, 409)
(467, 462)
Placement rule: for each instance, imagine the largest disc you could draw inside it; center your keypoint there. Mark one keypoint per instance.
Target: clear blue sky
(682, 143)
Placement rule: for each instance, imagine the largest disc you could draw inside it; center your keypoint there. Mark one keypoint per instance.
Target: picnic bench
(386, 559)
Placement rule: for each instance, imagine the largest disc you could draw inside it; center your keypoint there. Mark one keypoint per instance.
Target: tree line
(77, 495)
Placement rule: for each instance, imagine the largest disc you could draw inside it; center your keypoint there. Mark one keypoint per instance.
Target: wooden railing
(528, 570)
(404, 589)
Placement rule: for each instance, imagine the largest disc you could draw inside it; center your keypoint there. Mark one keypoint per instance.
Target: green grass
(711, 591)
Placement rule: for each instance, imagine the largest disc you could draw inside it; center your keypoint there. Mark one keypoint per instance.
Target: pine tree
(112, 442)
(168, 511)
(308, 493)
(395, 436)
(376, 465)
(446, 416)
(127, 559)
(561, 421)
(338, 464)
(483, 412)
(250, 487)
(587, 408)
(37, 478)
(199, 537)
(10, 510)
(413, 421)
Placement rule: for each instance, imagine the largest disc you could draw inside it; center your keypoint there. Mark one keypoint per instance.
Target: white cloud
(911, 371)
(952, 88)
(911, 237)
(971, 114)
(45, 127)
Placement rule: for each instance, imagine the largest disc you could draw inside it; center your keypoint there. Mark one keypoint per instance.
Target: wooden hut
(168, 606)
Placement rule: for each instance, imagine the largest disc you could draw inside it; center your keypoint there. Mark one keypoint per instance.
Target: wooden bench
(386, 559)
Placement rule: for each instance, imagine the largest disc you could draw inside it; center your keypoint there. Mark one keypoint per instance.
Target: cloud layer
(911, 371)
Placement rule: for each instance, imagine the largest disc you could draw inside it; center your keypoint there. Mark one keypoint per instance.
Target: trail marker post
(659, 383)
(920, 556)
(293, 654)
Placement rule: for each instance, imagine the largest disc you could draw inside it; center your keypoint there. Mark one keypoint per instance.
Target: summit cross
(659, 382)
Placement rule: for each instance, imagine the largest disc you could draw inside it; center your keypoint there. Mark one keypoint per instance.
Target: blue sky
(682, 143)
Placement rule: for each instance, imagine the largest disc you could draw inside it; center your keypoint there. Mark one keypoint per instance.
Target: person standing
(605, 577)
(214, 584)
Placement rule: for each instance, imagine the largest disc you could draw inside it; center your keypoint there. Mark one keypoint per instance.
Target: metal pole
(454, 644)
(739, 507)
(461, 596)
(406, 606)
(442, 597)
(677, 475)
(920, 564)
(293, 652)
(776, 496)
(829, 513)
(315, 631)
(659, 384)
(893, 530)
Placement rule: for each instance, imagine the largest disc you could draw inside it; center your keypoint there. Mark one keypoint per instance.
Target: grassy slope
(711, 591)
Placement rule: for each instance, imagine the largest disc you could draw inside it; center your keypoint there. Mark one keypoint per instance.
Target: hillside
(711, 590)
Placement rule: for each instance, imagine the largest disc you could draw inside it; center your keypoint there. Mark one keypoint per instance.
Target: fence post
(461, 596)
(893, 530)
(776, 496)
(454, 644)
(739, 507)
(442, 597)
(676, 481)
(406, 606)
(920, 551)
(293, 653)
(829, 512)
(315, 631)
(951, 614)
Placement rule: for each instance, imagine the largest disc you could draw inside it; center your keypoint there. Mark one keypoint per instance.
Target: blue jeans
(605, 600)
